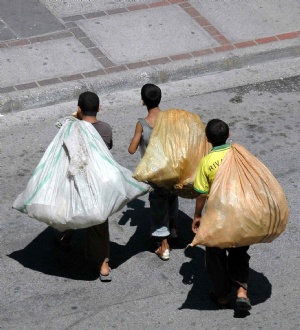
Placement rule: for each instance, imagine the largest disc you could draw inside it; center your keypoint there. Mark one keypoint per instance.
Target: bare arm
(136, 138)
(200, 202)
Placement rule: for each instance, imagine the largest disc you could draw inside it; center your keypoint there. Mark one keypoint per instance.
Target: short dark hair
(217, 132)
(151, 95)
(89, 103)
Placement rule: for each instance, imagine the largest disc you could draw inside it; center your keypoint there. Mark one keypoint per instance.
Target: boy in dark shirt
(98, 246)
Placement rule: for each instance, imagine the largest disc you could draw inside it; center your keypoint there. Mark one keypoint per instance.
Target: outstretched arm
(200, 202)
(136, 138)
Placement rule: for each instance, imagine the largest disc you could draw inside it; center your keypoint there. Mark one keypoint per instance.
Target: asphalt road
(44, 288)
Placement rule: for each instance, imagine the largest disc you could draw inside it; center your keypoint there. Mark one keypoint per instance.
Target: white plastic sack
(77, 183)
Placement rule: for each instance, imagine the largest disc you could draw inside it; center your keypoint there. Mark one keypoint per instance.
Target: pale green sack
(77, 183)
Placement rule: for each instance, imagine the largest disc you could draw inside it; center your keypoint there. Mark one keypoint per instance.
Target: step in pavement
(51, 51)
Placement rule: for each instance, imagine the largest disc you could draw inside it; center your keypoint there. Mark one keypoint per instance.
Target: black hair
(151, 95)
(89, 103)
(217, 132)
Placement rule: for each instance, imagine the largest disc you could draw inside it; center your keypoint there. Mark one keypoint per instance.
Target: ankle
(241, 293)
(104, 268)
(164, 242)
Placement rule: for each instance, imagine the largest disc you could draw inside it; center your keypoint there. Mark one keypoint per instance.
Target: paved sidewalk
(51, 51)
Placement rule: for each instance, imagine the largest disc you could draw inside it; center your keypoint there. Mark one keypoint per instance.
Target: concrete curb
(179, 70)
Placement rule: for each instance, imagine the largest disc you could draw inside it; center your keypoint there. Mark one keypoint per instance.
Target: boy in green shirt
(226, 267)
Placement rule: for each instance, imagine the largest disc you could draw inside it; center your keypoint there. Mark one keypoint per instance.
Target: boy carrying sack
(246, 205)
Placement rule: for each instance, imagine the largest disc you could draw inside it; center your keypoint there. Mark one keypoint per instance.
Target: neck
(219, 144)
(154, 109)
(90, 119)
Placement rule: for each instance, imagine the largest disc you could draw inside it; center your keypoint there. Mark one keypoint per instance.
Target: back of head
(151, 95)
(217, 132)
(89, 103)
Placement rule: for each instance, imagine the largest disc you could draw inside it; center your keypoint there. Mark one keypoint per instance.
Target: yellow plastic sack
(175, 148)
(246, 204)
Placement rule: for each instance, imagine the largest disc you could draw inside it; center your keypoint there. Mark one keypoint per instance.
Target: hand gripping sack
(77, 183)
(176, 145)
(246, 204)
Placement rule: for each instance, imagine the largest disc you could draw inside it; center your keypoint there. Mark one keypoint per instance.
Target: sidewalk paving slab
(28, 18)
(243, 21)
(158, 32)
(68, 8)
(46, 60)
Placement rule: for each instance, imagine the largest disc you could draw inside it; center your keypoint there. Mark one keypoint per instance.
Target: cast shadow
(138, 216)
(44, 255)
(194, 274)
(140, 241)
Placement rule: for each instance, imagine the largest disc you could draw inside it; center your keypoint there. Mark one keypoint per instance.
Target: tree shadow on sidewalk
(194, 274)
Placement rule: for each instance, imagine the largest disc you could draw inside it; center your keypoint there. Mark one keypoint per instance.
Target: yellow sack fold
(177, 144)
(246, 204)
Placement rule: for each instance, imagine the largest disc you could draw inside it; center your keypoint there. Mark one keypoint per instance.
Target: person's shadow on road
(140, 241)
(194, 274)
(44, 255)
(138, 216)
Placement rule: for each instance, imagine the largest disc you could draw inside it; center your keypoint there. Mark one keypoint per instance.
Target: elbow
(131, 151)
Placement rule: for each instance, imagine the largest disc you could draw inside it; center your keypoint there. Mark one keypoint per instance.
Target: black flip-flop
(243, 304)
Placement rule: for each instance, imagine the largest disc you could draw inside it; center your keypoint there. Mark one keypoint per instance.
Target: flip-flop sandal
(106, 278)
(243, 304)
(163, 256)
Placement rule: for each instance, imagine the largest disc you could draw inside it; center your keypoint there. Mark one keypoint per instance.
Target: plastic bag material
(77, 183)
(176, 146)
(62, 120)
(246, 204)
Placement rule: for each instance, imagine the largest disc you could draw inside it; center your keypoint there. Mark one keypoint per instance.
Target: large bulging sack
(246, 204)
(77, 183)
(176, 145)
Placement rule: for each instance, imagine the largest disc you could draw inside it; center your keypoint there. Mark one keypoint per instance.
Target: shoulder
(204, 160)
(144, 124)
(105, 124)
(141, 121)
(139, 125)
(102, 124)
